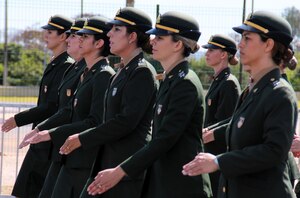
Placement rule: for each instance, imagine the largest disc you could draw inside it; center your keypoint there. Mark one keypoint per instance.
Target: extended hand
(203, 163)
(295, 148)
(208, 136)
(29, 135)
(9, 124)
(42, 136)
(70, 144)
(105, 180)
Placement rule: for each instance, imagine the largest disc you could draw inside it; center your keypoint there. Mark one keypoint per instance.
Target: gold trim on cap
(75, 28)
(125, 20)
(167, 28)
(264, 30)
(92, 28)
(217, 44)
(55, 25)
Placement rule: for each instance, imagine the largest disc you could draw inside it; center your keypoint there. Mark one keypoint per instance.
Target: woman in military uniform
(221, 97)
(36, 163)
(65, 92)
(178, 118)
(86, 110)
(261, 130)
(128, 103)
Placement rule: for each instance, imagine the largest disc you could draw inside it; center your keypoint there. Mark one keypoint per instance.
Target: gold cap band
(264, 30)
(55, 25)
(167, 28)
(75, 28)
(92, 28)
(217, 44)
(125, 20)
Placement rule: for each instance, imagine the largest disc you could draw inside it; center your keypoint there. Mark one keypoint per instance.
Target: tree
(292, 15)
(29, 39)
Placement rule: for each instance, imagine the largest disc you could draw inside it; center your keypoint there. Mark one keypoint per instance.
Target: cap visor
(49, 27)
(210, 46)
(159, 32)
(117, 22)
(240, 29)
(86, 31)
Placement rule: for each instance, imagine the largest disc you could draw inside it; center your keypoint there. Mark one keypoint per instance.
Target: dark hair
(106, 49)
(280, 53)
(143, 39)
(59, 32)
(187, 51)
(232, 59)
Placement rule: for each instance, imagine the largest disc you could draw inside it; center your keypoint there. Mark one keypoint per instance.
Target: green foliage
(28, 70)
(294, 76)
(25, 66)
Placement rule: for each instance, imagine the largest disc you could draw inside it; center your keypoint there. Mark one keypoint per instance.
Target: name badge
(114, 92)
(68, 92)
(45, 89)
(159, 109)
(240, 122)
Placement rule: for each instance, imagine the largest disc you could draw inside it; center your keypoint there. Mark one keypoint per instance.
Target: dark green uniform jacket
(127, 119)
(86, 112)
(259, 137)
(221, 100)
(66, 91)
(176, 139)
(36, 163)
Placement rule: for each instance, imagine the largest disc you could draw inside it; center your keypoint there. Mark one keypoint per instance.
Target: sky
(213, 16)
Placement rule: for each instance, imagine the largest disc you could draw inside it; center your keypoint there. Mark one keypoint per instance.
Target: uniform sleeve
(46, 109)
(229, 95)
(183, 100)
(63, 116)
(138, 94)
(277, 133)
(95, 117)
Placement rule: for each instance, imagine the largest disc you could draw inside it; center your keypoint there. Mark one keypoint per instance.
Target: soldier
(261, 130)
(128, 103)
(221, 97)
(62, 116)
(86, 111)
(178, 118)
(36, 163)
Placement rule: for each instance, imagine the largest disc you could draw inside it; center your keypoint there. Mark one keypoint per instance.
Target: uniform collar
(180, 70)
(272, 76)
(225, 72)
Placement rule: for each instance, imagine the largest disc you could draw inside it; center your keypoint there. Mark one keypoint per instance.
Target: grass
(18, 99)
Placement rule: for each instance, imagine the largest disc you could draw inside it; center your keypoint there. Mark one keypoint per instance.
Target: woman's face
(73, 44)
(162, 47)
(213, 57)
(119, 40)
(87, 44)
(251, 49)
(52, 39)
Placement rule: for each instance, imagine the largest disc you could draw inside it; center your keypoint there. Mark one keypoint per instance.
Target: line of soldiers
(124, 134)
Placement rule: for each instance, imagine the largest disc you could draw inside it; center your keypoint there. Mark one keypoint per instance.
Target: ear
(63, 36)
(178, 45)
(224, 54)
(132, 37)
(269, 45)
(99, 43)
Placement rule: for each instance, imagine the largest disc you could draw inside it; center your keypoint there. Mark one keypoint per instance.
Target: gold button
(224, 189)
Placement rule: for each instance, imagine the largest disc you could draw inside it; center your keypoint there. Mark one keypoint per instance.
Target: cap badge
(86, 22)
(118, 12)
(240, 122)
(158, 19)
